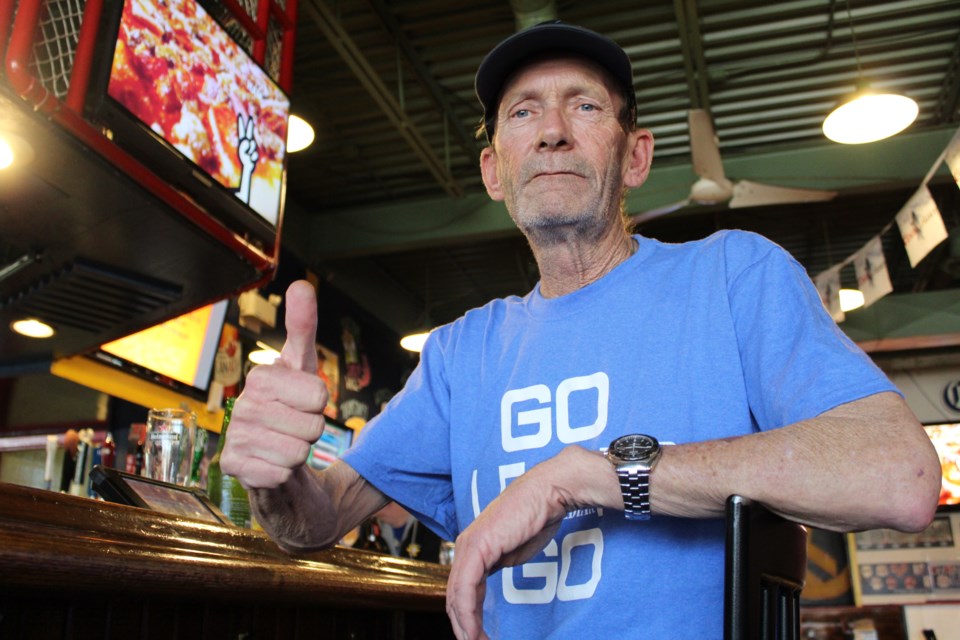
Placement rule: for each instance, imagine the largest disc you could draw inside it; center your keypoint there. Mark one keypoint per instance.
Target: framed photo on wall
(891, 567)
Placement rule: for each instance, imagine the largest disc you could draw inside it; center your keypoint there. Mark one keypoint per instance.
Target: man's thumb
(299, 350)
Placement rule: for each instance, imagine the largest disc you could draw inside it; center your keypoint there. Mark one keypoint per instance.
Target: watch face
(634, 447)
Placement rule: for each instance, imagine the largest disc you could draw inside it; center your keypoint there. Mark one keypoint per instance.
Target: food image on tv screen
(180, 73)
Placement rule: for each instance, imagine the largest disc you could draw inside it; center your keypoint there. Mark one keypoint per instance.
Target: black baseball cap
(554, 36)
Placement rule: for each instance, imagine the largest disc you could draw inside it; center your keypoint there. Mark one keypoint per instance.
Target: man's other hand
(519, 523)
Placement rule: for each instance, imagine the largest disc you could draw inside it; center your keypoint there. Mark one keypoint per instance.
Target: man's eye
(588, 107)
(521, 113)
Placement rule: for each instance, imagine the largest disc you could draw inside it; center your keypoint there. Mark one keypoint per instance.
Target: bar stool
(766, 563)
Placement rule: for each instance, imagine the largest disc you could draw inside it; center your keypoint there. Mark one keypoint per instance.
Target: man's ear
(639, 157)
(488, 171)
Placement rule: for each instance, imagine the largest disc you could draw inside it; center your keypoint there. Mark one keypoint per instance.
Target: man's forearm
(312, 511)
(865, 464)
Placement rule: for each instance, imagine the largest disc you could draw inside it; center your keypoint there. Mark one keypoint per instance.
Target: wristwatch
(634, 457)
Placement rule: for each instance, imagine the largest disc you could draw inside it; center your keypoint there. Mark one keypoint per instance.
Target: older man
(582, 440)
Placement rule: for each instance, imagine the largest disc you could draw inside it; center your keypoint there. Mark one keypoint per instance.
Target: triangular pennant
(921, 225)
(870, 265)
(952, 157)
(828, 284)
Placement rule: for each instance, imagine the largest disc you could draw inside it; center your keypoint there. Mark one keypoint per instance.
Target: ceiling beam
(327, 22)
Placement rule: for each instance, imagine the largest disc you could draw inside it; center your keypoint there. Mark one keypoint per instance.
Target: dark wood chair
(766, 563)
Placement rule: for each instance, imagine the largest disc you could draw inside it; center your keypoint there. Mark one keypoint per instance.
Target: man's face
(560, 159)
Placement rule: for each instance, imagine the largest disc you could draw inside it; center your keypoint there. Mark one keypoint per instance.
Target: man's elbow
(301, 546)
(296, 536)
(916, 505)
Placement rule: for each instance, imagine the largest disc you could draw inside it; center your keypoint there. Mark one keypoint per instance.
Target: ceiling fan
(712, 185)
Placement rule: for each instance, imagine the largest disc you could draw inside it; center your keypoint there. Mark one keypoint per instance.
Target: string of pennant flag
(921, 228)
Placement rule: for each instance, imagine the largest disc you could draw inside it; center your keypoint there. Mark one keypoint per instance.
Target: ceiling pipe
(531, 12)
(329, 23)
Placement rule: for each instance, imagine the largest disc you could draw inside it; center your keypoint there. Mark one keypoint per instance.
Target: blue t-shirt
(687, 342)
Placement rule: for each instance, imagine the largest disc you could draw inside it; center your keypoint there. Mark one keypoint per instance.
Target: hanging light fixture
(415, 340)
(868, 115)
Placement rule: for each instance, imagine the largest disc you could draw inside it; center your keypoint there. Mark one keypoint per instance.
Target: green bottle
(224, 490)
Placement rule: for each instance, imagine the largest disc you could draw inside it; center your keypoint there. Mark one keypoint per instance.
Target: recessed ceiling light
(32, 328)
(14, 151)
(6, 154)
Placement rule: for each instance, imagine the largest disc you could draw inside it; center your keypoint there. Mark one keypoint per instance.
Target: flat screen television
(175, 90)
(178, 353)
(946, 439)
(336, 438)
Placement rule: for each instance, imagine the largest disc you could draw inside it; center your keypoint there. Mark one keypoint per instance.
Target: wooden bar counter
(79, 568)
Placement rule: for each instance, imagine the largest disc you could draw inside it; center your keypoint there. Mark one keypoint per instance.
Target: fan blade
(704, 147)
(754, 194)
(646, 216)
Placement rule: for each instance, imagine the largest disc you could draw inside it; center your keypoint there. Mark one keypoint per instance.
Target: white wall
(926, 391)
(48, 399)
(943, 619)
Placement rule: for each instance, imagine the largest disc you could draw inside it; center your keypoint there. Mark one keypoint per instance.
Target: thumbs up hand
(280, 412)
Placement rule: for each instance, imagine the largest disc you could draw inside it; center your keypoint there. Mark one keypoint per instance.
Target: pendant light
(868, 115)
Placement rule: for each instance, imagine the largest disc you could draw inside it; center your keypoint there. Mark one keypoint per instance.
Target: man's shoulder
(726, 244)
(726, 239)
(475, 319)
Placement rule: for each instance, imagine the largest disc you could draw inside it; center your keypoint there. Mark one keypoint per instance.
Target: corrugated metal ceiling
(389, 87)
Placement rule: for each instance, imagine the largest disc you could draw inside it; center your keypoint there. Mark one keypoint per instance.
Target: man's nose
(554, 129)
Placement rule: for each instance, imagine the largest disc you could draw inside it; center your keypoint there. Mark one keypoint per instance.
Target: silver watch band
(635, 487)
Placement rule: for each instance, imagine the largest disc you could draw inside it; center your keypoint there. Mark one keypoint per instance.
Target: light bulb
(299, 134)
